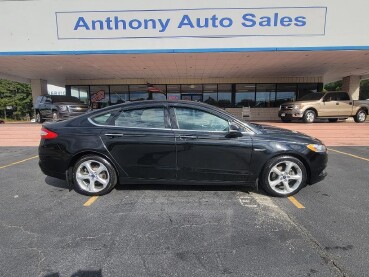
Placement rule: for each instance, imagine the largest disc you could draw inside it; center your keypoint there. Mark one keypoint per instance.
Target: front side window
(141, 118)
(193, 119)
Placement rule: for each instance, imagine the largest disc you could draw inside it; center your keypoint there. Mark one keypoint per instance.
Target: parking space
(141, 230)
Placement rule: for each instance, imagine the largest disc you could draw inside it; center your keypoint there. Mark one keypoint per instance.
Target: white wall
(47, 27)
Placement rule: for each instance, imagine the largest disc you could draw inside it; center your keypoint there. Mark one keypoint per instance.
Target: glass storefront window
(81, 92)
(303, 89)
(210, 95)
(285, 93)
(99, 96)
(245, 95)
(173, 92)
(265, 95)
(138, 92)
(159, 92)
(225, 95)
(119, 94)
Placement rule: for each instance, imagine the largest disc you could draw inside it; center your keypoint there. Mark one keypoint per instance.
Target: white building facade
(227, 53)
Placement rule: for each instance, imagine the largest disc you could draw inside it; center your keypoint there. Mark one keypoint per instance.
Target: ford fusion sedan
(177, 142)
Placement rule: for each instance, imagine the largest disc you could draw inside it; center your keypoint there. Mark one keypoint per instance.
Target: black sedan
(182, 142)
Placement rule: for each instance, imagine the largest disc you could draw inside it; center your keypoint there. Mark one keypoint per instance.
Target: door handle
(114, 135)
(187, 137)
(337, 103)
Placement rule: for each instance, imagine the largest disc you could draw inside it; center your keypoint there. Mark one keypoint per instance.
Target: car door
(205, 151)
(343, 104)
(45, 107)
(329, 106)
(141, 141)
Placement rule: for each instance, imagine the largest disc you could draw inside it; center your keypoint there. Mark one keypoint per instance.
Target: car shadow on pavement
(57, 183)
(173, 187)
(61, 184)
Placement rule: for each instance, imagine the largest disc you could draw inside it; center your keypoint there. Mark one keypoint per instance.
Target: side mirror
(234, 131)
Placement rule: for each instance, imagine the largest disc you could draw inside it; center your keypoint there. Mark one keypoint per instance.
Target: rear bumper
(51, 172)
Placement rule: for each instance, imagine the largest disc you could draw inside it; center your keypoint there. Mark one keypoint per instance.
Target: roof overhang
(58, 69)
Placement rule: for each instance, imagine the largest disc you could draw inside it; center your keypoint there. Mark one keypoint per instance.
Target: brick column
(351, 84)
(39, 87)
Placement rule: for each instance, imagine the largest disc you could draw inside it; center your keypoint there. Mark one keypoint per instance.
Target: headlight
(296, 107)
(63, 108)
(320, 148)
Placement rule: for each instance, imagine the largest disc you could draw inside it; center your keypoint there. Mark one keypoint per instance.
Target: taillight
(47, 134)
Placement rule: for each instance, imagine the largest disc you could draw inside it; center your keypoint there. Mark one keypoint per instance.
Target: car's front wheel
(309, 116)
(283, 176)
(39, 118)
(93, 175)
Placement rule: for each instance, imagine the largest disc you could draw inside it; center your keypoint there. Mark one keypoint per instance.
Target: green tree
(335, 86)
(364, 88)
(15, 100)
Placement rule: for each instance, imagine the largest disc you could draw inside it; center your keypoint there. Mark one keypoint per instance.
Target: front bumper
(290, 114)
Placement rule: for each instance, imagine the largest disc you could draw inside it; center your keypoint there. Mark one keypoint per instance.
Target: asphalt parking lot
(49, 230)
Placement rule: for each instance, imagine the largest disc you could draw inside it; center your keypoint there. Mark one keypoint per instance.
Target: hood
(71, 104)
(285, 135)
(299, 102)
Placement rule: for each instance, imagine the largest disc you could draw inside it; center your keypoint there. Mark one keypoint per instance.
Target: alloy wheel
(285, 177)
(92, 176)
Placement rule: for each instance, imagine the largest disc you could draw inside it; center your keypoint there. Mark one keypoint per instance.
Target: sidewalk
(332, 134)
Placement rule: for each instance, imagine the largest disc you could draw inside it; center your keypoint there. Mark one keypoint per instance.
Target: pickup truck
(58, 107)
(330, 105)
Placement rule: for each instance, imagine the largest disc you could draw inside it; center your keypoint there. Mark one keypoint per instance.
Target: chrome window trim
(123, 127)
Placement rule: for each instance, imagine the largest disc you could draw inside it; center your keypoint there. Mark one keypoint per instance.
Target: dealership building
(231, 54)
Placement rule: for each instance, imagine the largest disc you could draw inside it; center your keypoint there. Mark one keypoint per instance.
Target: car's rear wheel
(283, 176)
(93, 175)
(360, 116)
(309, 116)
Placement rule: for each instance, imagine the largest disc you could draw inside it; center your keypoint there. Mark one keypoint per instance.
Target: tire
(332, 119)
(39, 118)
(309, 116)
(360, 116)
(277, 180)
(96, 171)
(286, 120)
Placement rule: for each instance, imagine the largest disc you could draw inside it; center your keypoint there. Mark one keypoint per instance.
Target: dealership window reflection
(265, 95)
(119, 94)
(245, 95)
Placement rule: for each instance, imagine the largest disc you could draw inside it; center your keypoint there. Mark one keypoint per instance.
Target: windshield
(62, 98)
(312, 96)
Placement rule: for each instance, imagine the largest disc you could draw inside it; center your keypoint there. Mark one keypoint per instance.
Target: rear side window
(142, 118)
(103, 119)
(344, 96)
